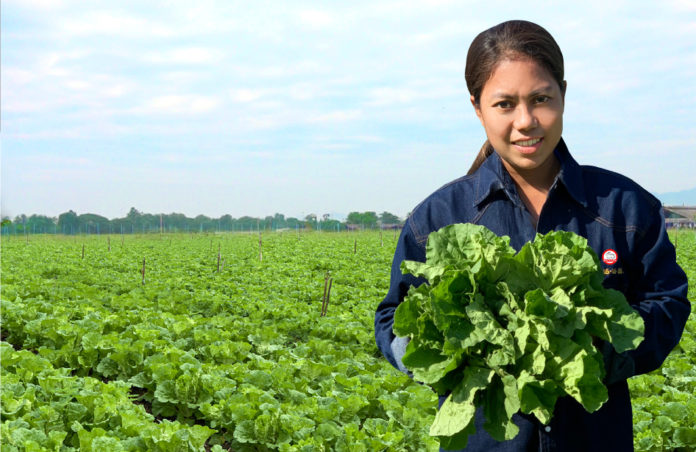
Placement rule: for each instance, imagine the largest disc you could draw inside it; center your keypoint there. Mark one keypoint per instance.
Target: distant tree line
(136, 222)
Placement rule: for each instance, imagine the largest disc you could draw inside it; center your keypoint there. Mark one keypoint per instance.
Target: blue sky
(252, 108)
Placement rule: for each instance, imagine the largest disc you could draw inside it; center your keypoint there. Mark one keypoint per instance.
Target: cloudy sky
(298, 107)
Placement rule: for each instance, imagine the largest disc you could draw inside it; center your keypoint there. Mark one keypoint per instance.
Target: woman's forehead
(515, 76)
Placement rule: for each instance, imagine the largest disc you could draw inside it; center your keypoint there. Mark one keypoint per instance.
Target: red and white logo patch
(610, 257)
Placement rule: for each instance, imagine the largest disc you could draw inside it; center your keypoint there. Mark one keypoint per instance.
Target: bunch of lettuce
(509, 331)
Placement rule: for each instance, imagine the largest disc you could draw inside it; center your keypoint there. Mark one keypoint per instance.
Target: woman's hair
(515, 40)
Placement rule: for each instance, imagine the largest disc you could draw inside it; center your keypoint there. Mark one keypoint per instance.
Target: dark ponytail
(482, 155)
(514, 39)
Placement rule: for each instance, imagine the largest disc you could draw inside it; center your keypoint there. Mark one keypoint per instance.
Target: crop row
(664, 401)
(242, 352)
(214, 348)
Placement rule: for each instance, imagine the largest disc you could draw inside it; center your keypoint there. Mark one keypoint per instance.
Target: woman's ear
(477, 108)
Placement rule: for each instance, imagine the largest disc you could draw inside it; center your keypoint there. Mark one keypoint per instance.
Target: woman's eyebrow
(545, 89)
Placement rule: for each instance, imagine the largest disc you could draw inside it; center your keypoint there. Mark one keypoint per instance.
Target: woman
(525, 181)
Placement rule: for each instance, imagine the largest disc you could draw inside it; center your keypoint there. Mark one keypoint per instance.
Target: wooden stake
(355, 246)
(109, 239)
(218, 268)
(143, 271)
(323, 298)
(327, 295)
(260, 248)
(83, 251)
(381, 242)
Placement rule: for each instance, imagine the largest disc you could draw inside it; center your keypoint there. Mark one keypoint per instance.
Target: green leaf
(501, 401)
(457, 411)
(427, 364)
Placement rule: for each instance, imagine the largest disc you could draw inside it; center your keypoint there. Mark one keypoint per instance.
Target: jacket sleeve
(659, 293)
(406, 249)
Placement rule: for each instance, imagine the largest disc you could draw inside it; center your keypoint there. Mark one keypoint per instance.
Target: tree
(365, 219)
(204, 223)
(134, 215)
(388, 218)
(68, 223)
(226, 222)
(311, 221)
(369, 219)
(92, 224)
(354, 218)
(279, 221)
(40, 224)
(293, 223)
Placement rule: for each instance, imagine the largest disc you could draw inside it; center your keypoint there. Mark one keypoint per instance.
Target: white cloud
(683, 5)
(40, 5)
(184, 55)
(337, 116)
(112, 22)
(303, 91)
(389, 96)
(178, 104)
(13, 76)
(78, 85)
(316, 19)
(246, 95)
(448, 30)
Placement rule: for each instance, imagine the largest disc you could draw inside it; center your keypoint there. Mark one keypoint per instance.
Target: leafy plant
(509, 331)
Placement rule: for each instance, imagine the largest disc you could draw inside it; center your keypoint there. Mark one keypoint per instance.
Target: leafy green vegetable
(509, 331)
(200, 359)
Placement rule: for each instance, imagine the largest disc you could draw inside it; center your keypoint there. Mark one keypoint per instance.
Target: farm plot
(215, 342)
(231, 355)
(664, 401)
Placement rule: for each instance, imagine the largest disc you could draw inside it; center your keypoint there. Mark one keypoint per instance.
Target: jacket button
(547, 428)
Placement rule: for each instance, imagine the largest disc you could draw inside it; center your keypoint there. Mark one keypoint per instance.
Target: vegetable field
(235, 342)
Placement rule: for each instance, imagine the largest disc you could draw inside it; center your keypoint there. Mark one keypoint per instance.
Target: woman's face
(521, 109)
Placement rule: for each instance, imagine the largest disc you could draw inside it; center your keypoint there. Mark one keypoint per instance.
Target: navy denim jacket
(613, 213)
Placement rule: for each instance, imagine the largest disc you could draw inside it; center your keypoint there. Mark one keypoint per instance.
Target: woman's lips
(528, 146)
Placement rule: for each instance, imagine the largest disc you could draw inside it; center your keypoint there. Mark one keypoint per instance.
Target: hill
(678, 198)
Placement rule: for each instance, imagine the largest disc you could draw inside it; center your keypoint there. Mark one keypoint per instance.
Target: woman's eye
(505, 104)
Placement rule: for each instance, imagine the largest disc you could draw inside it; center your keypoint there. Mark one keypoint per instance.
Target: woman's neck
(533, 185)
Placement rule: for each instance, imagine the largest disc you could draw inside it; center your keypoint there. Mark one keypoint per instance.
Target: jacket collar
(492, 177)
(570, 174)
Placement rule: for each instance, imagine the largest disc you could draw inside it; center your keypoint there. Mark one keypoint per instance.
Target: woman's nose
(524, 118)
